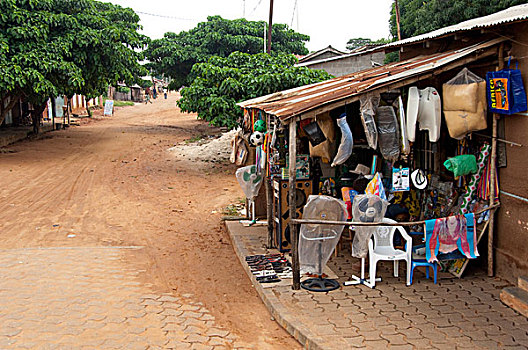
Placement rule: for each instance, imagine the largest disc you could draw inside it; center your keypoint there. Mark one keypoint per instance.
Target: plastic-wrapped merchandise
(462, 165)
(366, 208)
(325, 149)
(368, 106)
(389, 135)
(464, 103)
(250, 180)
(406, 149)
(347, 141)
(317, 242)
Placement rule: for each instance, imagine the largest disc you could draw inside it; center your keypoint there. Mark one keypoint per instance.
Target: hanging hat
(361, 170)
(419, 179)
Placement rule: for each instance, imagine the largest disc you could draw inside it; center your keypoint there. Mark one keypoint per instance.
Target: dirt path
(113, 182)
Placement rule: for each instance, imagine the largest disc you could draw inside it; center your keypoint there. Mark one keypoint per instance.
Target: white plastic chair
(381, 248)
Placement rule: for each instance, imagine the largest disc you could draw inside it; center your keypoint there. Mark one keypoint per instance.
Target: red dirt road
(112, 182)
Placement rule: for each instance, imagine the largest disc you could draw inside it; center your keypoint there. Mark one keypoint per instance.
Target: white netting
(316, 241)
(366, 208)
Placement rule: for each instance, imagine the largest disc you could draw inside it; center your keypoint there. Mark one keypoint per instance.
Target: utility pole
(268, 49)
(243, 8)
(397, 9)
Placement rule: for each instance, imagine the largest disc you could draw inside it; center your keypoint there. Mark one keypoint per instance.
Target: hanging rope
(351, 223)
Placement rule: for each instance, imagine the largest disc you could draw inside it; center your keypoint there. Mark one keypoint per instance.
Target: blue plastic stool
(423, 262)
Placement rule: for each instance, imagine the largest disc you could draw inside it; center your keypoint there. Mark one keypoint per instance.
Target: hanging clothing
(449, 234)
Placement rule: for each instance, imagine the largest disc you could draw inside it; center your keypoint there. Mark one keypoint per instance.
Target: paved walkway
(454, 314)
(77, 298)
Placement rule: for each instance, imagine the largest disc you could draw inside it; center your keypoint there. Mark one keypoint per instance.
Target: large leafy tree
(175, 54)
(355, 43)
(419, 16)
(51, 47)
(222, 82)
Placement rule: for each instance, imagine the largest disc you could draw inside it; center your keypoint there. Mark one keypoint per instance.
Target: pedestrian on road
(165, 92)
(147, 97)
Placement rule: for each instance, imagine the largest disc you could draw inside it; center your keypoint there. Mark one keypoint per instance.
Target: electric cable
(165, 16)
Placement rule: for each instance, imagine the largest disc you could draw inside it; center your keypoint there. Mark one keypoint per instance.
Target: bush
(221, 83)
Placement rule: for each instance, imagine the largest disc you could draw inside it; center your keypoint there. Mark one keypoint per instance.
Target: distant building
(340, 63)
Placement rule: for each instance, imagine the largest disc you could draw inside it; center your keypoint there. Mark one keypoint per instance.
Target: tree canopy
(355, 43)
(418, 16)
(51, 47)
(222, 82)
(175, 54)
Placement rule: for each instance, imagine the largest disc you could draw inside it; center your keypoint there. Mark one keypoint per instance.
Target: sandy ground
(114, 182)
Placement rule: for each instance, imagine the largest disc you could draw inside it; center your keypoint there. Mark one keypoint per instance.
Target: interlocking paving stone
(84, 298)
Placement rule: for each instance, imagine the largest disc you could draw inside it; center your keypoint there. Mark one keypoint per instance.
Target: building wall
(349, 64)
(512, 224)
(511, 230)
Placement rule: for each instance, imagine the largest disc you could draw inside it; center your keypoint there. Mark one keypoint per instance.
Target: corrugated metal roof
(512, 14)
(365, 51)
(301, 100)
(329, 48)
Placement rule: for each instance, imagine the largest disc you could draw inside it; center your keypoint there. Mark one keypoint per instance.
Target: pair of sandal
(268, 279)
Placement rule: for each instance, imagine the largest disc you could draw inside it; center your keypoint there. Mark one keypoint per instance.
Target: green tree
(175, 54)
(355, 43)
(52, 47)
(419, 16)
(222, 82)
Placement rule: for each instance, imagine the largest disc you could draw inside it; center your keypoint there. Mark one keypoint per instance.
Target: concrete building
(338, 65)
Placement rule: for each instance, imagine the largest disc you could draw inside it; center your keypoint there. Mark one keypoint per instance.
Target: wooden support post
(292, 156)
(269, 211)
(53, 111)
(493, 172)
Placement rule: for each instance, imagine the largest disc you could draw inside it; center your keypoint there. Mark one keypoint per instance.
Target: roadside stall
(409, 146)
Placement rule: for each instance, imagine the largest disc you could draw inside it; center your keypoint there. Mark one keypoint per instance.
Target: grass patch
(120, 103)
(123, 103)
(195, 139)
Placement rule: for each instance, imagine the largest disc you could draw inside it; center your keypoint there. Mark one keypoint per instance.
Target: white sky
(330, 22)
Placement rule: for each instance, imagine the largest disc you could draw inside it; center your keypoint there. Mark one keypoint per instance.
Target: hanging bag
(505, 89)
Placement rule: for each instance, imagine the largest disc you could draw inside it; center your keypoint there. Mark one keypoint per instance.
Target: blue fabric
(432, 239)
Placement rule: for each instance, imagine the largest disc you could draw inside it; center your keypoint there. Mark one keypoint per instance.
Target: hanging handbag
(505, 89)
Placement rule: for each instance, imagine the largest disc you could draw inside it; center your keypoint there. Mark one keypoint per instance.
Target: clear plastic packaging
(366, 208)
(250, 180)
(368, 106)
(347, 142)
(316, 241)
(389, 135)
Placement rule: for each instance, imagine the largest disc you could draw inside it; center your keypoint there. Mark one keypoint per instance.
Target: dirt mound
(208, 149)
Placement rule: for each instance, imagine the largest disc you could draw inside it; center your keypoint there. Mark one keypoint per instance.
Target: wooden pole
(53, 112)
(292, 156)
(493, 171)
(269, 211)
(397, 10)
(270, 24)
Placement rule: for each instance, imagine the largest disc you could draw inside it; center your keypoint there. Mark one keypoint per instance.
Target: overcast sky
(330, 22)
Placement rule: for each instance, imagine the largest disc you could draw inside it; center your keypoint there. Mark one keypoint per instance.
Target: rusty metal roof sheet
(512, 14)
(297, 101)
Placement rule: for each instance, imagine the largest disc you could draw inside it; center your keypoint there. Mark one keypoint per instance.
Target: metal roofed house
(344, 63)
(327, 52)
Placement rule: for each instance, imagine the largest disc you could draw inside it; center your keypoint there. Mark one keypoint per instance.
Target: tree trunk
(36, 115)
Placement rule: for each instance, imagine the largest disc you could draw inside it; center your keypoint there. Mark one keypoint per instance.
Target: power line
(164, 16)
(255, 8)
(293, 14)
